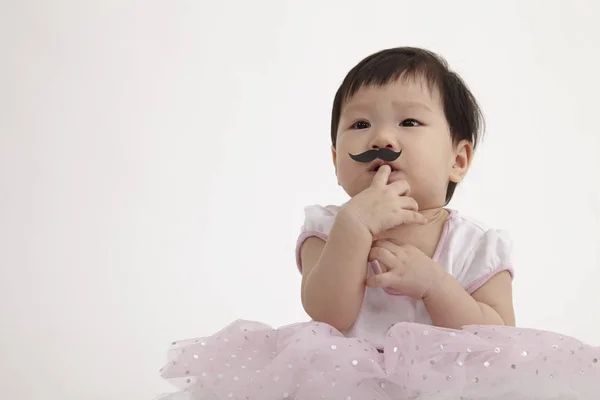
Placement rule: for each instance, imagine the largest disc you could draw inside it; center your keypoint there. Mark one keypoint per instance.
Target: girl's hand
(383, 206)
(406, 270)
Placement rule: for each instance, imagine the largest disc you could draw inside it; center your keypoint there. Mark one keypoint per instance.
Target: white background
(156, 156)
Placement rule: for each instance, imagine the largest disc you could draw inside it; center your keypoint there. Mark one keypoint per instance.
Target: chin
(355, 188)
(397, 176)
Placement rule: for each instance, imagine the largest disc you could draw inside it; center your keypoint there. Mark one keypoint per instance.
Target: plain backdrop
(156, 156)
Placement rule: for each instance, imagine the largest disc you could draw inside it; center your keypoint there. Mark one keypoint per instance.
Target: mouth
(378, 164)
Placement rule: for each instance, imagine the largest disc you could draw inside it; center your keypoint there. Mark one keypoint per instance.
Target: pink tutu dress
(392, 352)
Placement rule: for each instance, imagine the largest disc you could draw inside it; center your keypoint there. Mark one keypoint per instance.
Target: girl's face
(403, 115)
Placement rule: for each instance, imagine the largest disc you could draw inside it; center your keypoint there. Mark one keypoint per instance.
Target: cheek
(344, 164)
(346, 171)
(429, 171)
(350, 176)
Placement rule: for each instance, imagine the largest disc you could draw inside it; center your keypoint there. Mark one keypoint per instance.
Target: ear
(334, 159)
(463, 156)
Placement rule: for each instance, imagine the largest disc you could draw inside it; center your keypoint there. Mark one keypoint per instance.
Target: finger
(389, 246)
(408, 203)
(413, 217)
(381, 176)
(388, 279)
(401, 187)
(378, 268)
(385, 257)
(385, 235)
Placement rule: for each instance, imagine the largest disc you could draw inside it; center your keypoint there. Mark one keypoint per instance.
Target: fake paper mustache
(384, 154)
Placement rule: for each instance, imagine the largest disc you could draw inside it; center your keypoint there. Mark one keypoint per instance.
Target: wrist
(349, 220)
(438, 280)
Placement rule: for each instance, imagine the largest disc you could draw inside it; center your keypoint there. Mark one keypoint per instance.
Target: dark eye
(410, 122)
(360, 125)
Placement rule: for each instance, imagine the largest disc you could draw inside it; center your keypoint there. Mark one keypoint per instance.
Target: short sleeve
(318, 221)
(491, 255)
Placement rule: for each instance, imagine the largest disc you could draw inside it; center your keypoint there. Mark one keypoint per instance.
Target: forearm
(334, 289)
(450, 306)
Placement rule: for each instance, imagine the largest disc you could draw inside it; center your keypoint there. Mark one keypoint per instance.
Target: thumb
(387, 279)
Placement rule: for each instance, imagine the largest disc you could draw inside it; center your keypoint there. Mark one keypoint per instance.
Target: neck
(425, 237)
(435, 215)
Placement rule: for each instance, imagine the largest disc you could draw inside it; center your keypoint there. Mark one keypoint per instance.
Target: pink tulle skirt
(310, 361)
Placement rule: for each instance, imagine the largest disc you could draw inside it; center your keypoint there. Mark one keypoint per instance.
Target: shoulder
(471, 233)
(319, 219)
(480, 251)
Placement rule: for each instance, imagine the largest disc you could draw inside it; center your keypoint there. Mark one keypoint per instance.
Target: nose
(384, 139)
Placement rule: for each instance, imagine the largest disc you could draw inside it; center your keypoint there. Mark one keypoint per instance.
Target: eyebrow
(398, 104)
(411, 104)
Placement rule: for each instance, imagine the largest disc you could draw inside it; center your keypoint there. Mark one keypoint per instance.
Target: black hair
(461, 109)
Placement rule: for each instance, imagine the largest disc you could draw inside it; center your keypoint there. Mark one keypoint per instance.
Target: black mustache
(384, 154)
